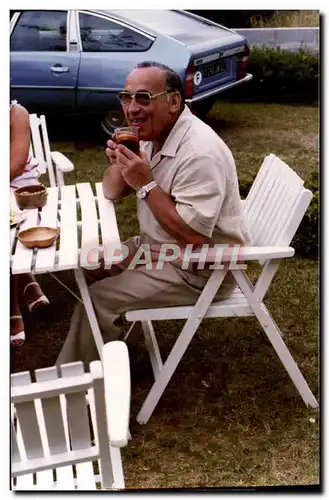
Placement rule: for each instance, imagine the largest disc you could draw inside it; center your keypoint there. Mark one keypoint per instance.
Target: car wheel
(112, 120)
(202, 108)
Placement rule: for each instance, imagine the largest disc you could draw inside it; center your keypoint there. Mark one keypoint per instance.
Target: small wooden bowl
(38, 236)
(31, 196)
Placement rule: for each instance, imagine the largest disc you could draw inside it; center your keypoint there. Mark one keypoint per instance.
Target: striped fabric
(29, 176)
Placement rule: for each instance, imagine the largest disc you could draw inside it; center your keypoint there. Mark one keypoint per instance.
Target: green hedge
(280, 75)
(306, 240)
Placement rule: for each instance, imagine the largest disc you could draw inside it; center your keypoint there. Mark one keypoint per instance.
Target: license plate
(214, 69)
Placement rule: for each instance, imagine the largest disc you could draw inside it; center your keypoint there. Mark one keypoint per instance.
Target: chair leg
(83, 287)
(275, 337)
(167, 371)
(181, 345)
(117, 470)
(273, 333)
(152, 347)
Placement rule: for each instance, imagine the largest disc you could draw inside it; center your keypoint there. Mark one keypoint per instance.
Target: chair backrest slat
(37, 143)
(101, 431)
(265, 202)
(291, 225)
(46, 145)
(261, 177)
(77, 412)
(268, 222)
(15, 455)
(40, 147)
(52, 414)
(28, 420)
(276, 203)
(31, 150)
(274, 227)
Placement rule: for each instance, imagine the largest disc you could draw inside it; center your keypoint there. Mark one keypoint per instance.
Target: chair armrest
(61, 162)
(116, 369)
(243, 254)
(265, 253)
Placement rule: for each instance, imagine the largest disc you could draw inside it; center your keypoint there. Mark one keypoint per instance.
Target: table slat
(109, 226)
(12, 238)
(23, 257)
(68, 249)
(89, 255)
(45, 259)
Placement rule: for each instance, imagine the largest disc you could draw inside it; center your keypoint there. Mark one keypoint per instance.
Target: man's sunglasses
(142, 98)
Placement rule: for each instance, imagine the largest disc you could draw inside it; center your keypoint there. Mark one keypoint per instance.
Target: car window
(99, 34)
(40, 31)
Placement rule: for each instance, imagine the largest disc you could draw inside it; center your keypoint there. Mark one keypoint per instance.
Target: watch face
(141, 193)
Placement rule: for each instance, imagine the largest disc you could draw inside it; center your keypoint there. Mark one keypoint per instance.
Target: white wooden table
(88, 232)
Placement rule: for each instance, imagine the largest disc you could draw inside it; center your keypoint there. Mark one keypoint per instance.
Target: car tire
(113, 119)
(202, 108)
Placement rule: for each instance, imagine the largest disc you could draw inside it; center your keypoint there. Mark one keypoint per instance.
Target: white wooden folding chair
(51, 446)
(52, 162)
(274, 208)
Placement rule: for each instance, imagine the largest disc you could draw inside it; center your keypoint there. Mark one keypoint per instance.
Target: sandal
(17, 339)
(39, 302)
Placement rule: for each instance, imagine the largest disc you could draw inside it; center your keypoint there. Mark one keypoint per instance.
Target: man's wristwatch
(142, 192)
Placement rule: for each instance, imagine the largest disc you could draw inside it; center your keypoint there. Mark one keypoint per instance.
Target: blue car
(71, 62)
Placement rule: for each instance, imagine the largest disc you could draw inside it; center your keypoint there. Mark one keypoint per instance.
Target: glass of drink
(128, 136)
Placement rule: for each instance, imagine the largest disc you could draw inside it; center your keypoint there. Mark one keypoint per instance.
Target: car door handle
(58, 68)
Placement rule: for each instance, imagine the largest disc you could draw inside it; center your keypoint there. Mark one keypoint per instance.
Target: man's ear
(175, 102)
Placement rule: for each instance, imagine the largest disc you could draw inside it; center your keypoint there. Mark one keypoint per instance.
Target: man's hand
(135, 169)
(114, 185)
(110, 150)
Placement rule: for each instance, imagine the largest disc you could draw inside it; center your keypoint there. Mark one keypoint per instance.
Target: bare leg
(31, 293)
(17, 334)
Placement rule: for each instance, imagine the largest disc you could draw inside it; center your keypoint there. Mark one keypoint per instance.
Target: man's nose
(133, 106)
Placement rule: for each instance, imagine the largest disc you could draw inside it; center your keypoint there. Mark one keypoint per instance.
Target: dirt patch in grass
(230, 416)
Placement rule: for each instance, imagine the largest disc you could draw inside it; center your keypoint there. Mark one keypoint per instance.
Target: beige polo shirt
(197, 169)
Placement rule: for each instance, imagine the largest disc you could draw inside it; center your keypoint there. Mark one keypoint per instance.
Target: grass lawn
(230, 416)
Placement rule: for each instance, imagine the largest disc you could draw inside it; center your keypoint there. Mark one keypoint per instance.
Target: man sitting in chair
(187, 192)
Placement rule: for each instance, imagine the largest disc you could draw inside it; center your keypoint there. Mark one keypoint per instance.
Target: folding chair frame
(247, 299)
